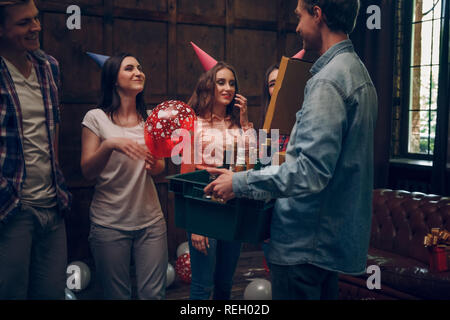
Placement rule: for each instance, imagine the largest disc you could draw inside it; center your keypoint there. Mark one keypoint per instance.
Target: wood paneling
(290, 8)
(80, 3)
(214, 8)
(254, 115)
(293, 44)
(263, 10)
(172, 48)
(189, 68)
(70, 142)
(260, 49)
(80, 76)
(153, 5)
(148, 41)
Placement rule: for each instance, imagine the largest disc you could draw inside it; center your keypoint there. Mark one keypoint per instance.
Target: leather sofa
(400, 222)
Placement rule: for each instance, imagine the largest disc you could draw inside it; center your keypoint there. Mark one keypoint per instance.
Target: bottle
(269, 150)
(264, 153)
(233, 157)
(240, 159)
(249, 165)
(227, 157)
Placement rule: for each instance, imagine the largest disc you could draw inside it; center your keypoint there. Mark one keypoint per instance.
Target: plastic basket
(239, 219)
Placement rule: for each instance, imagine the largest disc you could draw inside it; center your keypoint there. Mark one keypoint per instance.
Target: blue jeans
(33, 255)
(113, 249)
(214, 271)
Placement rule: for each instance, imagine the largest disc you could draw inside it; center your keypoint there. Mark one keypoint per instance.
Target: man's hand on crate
(222, 186)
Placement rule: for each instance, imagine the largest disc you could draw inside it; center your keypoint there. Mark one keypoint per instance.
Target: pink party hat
(206, 60)
(300, 54)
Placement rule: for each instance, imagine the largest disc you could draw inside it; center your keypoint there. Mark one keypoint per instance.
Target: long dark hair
(109, 98)
(202, 100)
(266, 95)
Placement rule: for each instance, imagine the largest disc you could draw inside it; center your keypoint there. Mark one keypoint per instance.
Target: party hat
(206, 60)
(98, 58)
(300, 54)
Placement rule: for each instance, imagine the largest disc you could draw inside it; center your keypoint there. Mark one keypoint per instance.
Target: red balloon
(183, 268)
(167, 117)
(266, 267)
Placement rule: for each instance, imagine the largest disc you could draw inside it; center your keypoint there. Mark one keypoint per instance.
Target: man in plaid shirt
(33, 195)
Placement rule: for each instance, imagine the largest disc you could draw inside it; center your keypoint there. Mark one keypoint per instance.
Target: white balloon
(182, 249)
(69, 295)
(78, 276)
(258, 289)
(170, 275)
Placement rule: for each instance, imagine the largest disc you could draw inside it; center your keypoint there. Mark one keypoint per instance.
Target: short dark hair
(9, 3)
(340, 15)
(109, 98)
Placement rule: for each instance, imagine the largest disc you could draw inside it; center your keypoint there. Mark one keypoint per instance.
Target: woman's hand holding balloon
(154, 165)
(150, 161)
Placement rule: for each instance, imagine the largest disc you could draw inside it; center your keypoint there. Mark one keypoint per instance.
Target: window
(416, 83)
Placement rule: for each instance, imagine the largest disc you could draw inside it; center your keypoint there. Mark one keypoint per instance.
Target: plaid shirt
(283, 142)
(12, 163)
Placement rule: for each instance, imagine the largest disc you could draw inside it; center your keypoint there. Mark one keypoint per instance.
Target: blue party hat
(98, 58)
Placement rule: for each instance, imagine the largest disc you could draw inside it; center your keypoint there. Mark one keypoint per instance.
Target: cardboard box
(288, 94)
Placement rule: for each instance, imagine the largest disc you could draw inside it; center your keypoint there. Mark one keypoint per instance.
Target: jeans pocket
(93, 227)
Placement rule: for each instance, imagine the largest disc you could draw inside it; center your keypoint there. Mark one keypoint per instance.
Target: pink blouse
(212, 136)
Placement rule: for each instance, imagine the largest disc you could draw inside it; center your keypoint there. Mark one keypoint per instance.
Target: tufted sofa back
(401, 220)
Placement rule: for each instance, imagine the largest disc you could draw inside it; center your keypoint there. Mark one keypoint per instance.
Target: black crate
(239, 219)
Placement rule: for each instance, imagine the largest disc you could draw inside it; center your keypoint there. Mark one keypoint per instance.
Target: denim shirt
(323, 211)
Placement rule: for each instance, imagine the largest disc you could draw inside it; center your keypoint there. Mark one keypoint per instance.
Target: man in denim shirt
(322, 218)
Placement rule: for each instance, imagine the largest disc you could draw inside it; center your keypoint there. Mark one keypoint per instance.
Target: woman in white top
(127, 223)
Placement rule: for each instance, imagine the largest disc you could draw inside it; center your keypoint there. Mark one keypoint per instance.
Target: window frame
(407, 26)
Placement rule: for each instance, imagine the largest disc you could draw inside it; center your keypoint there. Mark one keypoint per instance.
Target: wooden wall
(249, 34)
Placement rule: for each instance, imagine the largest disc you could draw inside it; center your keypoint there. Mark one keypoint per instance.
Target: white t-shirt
(125, 196)
(38, 188)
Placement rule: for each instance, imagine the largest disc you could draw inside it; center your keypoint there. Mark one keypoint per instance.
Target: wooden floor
(250, 266)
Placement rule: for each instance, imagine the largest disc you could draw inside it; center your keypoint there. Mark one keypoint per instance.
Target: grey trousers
(113, 249)
(33, 255)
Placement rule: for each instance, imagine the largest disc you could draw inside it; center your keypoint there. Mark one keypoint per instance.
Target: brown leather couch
(400, 222)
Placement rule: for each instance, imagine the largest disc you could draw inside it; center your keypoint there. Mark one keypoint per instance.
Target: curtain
(439, 174)
(376, 49)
